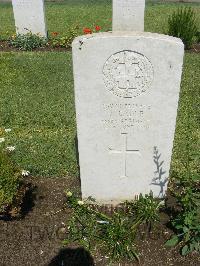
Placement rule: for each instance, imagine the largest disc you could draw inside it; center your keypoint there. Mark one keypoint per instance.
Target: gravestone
(128, 15)
(29, 16)
(126, 92)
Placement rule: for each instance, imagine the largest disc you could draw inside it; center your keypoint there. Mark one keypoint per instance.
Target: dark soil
(36, 239)
(4, 47)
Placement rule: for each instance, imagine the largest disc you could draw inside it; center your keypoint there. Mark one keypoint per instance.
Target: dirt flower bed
(37, 238)
(5, 47)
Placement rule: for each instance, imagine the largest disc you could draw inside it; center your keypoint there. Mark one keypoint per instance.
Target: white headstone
(29, 16)
(126, 90)
(128, 15)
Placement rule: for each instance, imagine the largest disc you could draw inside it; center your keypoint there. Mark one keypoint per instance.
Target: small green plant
(10, 176)
(182, 24)
(63, 41)
(186, 224)
(12, 186)
(118, 237)
(146, 209)
(27, 42)
(115, 234)
(10, 180)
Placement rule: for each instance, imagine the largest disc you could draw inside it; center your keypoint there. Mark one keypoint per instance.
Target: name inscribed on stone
(124, 116)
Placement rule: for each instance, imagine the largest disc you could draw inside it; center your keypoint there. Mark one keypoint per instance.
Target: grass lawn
(37, 102)
(37, 99)
(87, 13)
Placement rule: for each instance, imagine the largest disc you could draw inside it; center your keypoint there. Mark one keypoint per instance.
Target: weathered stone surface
(128, 15)
(126, 90)
(29, 16)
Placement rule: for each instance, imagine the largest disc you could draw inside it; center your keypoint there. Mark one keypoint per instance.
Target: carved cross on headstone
(125, 151)
(128, 15)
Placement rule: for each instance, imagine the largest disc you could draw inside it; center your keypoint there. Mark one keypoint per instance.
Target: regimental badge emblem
(128, 74)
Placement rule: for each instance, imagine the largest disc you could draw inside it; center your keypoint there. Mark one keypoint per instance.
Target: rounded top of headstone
(122, 34)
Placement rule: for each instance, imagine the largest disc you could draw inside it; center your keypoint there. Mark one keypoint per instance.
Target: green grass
(37, 99)
(87, 13)
(188, 119)
(37, 102)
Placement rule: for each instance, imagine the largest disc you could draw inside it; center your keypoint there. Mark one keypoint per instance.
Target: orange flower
(87, 30)
(97, 28)
(54, 34)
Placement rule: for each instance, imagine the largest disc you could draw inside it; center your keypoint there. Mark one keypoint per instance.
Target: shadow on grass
(72, 257)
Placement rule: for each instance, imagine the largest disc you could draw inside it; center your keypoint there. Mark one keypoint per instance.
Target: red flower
(87, 30)
(97, 28)
(54, 34)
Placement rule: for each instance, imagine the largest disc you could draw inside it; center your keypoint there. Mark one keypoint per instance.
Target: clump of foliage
(27, 42)
(63, 41)
(187, 223)
(11, 182)
(145, 209)
(115, 234)
(182, 24)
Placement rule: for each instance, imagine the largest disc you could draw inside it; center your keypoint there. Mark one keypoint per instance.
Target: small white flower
(7, 130)
(80, 202)
(10, 148)
(2, 140)
(41, 252)
(25, 173)
(102, 222)
(69, 193)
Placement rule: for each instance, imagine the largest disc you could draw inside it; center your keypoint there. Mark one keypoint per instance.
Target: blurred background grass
(87, 13)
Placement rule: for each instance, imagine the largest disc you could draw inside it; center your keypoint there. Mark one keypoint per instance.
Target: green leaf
(195, 177)
(185, 229)
(185, 250)
(172, 242)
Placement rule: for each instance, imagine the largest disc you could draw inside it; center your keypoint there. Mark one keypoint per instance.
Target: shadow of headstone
(72, 257)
